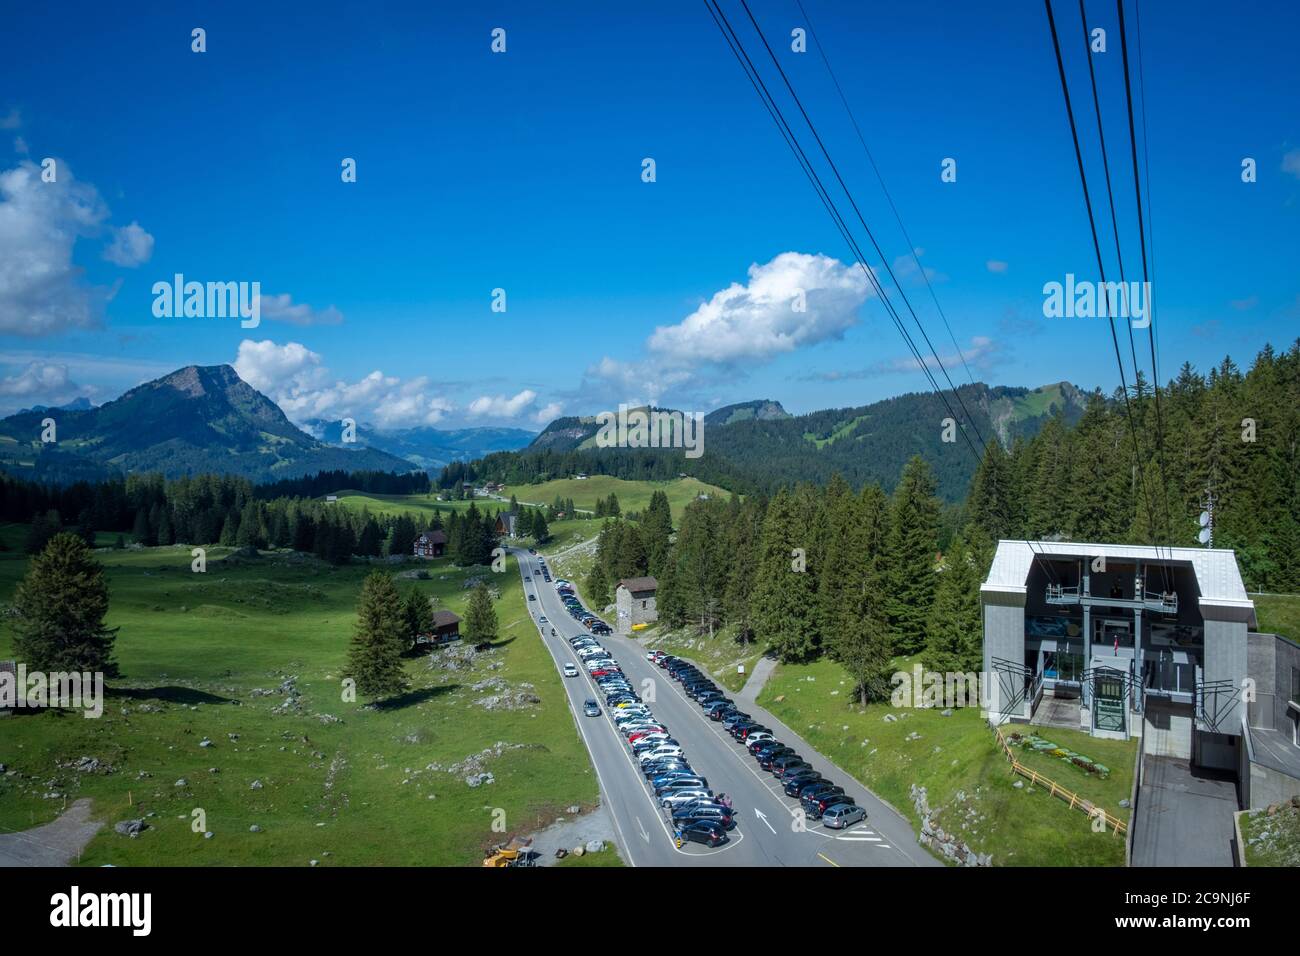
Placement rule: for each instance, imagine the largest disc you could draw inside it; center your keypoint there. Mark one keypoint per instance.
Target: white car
(678, 798)
(761, 735)
(661, 752)
(570, 670)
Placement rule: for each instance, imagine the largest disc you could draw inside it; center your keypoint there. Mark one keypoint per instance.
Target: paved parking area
(1184, 815)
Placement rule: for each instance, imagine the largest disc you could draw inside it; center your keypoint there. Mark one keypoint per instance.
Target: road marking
(644, 835)
(763, 816)
(829, 860)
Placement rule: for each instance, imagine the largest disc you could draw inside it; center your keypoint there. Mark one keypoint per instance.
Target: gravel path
(55, 844)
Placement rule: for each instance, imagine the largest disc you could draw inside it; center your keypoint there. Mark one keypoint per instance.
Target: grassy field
(632, 495)
(719, 655)
(248, 657)
(424, 505)
(1272, 840)
(1278, 614)
(967, 778)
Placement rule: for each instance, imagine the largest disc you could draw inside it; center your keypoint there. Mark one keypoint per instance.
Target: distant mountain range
(197, 419)
(206, 419)
(429, 448)
(754, 445)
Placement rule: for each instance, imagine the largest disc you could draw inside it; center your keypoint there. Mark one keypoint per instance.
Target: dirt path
(55, 844)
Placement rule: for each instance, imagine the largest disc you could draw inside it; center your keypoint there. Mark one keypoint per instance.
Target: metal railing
(1215, 700)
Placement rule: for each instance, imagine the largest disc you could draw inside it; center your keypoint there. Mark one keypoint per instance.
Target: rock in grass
(130, 828)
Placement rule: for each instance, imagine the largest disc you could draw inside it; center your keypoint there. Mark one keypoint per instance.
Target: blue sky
(522, 171)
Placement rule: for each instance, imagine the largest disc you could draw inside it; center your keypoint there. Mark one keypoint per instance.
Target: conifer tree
(374, 654)
(59, 608)
(480, 627)
(912, 548)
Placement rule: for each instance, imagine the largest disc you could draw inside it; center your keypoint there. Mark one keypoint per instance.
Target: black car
(701, 831)
(734, 719)
(769, 759)
(788, 762)
(713, 812)
(812, 797)
(818, 784)
(794, 785)
(828, 800)
(767, 748)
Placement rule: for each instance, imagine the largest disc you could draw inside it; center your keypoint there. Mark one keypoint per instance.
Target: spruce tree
(954, 632)
(59, 608)
(783, 594)
(480, 627)
(375, 653)
(596, 587)
(912, 549)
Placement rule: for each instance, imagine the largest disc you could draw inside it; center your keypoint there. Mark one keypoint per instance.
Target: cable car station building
(1116, 640)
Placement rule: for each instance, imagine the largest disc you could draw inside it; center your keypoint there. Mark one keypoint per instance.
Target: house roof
(444, 618)
(639, 584)
(1217, 574)
(436, 536)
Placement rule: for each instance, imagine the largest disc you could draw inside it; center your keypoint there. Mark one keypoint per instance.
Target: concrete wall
(1226, 660)
(1004, 637)
(1267, 785)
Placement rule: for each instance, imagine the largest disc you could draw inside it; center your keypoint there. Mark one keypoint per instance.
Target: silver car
(843, 815)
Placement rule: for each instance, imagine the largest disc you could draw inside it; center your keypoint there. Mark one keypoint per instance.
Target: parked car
(684, 797)
(843, 815)
(591, 708)
(701, 831)
(825, 803)
(704, 811)
(792, 785)
(815, 798)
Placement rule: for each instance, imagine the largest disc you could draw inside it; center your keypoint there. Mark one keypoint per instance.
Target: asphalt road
(769, 830)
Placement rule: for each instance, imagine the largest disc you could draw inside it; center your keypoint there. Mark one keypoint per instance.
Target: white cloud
(41, 291)
(761, 319)
(131, 246)
(281, 308)
(12, 120)
(295, 378)
(499, 406)
(996, 265)
(40, 383)
(548, 413)
(794, 301)
(20, 146)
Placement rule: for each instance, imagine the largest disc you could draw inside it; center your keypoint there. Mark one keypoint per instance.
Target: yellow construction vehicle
(518, 852)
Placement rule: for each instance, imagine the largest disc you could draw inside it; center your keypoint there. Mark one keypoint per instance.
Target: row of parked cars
(579, 613)
(821, 799)
(697, 815)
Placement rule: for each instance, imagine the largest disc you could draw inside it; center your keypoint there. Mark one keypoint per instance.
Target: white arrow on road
(645, 836)
(763, 816)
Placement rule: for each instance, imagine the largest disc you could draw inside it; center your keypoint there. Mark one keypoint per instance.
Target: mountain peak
(199, 380)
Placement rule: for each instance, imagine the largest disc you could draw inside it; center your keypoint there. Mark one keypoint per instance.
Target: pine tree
(418, 616)
(59, 608)
(656, 529)
(480, 618)
(374, 655)
(541, 531)
(913, 545)
(783, 593)
(955, 632)
(596, 587)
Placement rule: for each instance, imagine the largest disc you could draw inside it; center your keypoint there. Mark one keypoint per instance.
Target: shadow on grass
(172, 695)
(412, 697)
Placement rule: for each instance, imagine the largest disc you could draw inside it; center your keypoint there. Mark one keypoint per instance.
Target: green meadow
(969, 784)
(632, 495)
(247, 656)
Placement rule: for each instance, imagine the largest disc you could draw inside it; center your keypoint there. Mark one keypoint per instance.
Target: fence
(1076, 802)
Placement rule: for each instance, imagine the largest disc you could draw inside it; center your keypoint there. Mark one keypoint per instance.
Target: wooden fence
(1076, 802)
